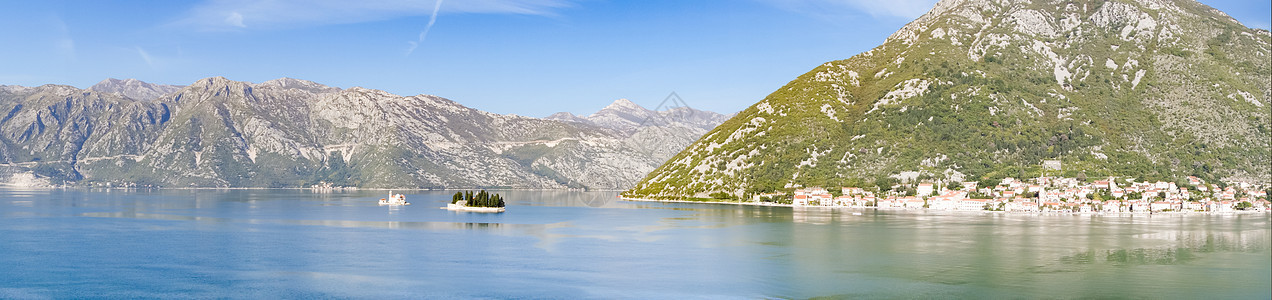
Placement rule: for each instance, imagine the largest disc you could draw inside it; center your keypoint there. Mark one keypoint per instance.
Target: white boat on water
(394, 200)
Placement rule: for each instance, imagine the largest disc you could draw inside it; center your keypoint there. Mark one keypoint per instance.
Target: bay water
(556, 244)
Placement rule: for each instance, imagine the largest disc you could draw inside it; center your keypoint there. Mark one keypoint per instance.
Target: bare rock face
(1158, 89)
(288, 132)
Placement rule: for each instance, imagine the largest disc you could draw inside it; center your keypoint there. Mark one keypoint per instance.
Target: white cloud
(904, 9)
(281, 14)
(235, 19)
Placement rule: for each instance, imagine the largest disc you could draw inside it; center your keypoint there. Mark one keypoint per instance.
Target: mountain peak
(299, 84)
(624, 105)
(133, 88)
(213, 81)
(565, 115)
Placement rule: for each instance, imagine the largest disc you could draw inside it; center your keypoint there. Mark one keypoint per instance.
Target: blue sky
(528, 57)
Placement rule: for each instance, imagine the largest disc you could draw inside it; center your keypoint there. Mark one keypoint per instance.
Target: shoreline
(767, 204)
(475, 209)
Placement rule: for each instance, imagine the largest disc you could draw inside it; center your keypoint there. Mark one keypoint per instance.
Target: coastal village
(1044, 194)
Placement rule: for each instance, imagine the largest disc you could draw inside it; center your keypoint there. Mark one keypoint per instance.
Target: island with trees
(480, 201)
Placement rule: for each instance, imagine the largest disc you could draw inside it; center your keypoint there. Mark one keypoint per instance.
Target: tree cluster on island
(478, 199)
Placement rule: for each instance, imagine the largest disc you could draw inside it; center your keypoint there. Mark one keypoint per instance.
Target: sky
(525, 57)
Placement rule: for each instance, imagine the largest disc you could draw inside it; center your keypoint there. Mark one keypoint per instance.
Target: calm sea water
(299, 244)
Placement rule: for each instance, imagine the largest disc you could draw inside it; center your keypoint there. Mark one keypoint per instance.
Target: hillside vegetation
(981, 90)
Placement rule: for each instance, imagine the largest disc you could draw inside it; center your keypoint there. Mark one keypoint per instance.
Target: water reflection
(1187, 248)
(593, 246)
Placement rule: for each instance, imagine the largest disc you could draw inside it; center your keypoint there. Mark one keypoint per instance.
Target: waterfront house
(913, 202)
(1223, 206)
(891, 202)
(843, 200)
(924, 190)
(942, 203)
(972, 204)
(1053, 206)
(1262, 205)
(1112, 206)
(822, 199)
(1014, 206)
(800, 199)
(1137, 206)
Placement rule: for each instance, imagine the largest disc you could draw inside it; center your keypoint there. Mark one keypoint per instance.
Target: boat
(394, 200)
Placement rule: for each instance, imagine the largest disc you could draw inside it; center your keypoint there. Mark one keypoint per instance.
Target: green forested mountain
(980, 90)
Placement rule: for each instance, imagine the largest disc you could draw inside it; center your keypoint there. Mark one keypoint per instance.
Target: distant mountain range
(627, 116)
(134, 89)
(294, 133)
(979, 90)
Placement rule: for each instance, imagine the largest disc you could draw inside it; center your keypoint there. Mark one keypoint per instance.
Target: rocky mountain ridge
(134, 89)
(625, 115)
(291, 133)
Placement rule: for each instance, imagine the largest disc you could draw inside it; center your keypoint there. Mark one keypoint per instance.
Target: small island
(481, 201)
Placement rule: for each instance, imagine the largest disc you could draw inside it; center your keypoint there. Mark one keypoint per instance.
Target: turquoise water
(300, 244)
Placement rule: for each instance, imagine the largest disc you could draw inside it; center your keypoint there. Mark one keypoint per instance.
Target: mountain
(624, 115)
(656, 133)
(135, 89)
(289, 133)
(981, 90)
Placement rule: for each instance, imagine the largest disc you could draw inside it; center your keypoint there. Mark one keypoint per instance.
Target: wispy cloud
(145, 56)
(431, 19)
(63, 44)
(231, 15)
(66, 47)
(904, 9)
(235, 19)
